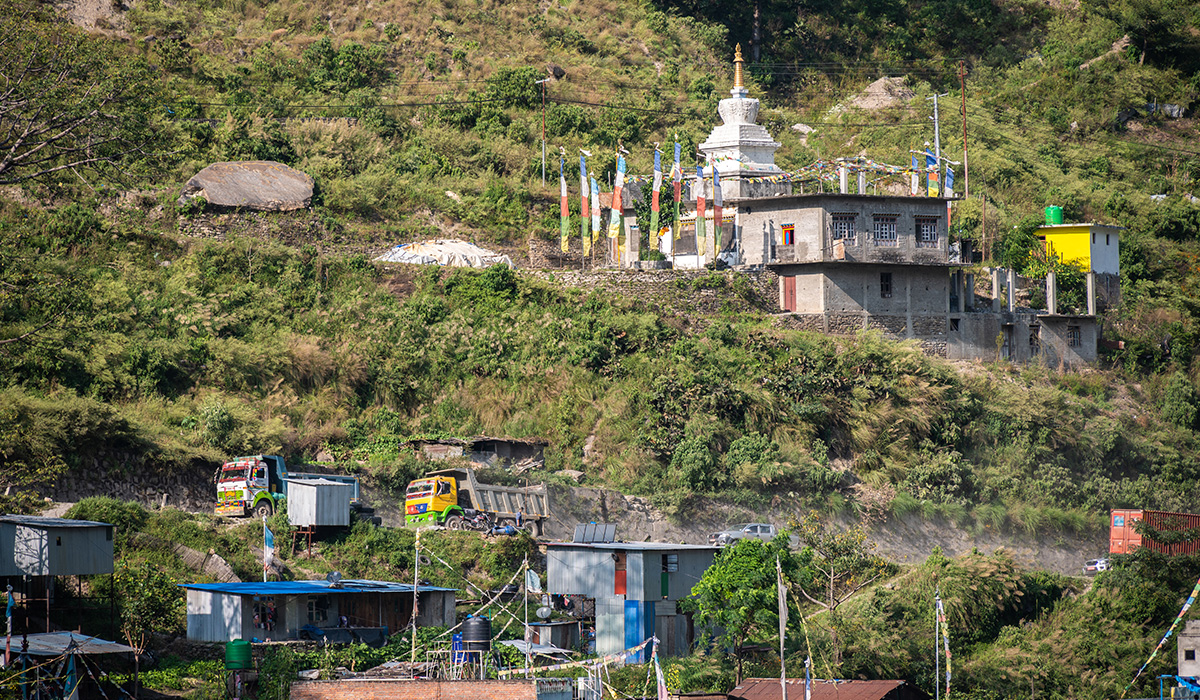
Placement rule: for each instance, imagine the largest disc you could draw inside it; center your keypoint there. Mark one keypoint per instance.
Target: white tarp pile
(445, 252)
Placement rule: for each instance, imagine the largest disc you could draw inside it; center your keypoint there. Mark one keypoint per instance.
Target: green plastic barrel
(237, 655)
(1053, 215)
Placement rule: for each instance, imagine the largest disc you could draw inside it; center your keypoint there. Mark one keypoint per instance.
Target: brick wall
(392, 689)
(681, 291)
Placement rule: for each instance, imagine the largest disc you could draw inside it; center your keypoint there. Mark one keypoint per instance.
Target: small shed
(562, 634)
(318, 503)
(32, 545)
(280, 610)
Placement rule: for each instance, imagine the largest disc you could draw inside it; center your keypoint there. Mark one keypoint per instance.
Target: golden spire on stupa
(737, 67)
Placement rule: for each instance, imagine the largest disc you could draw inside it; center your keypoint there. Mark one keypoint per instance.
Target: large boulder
(251, 184)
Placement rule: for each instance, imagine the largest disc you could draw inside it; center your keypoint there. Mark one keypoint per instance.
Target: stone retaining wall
(680, 291)
(130, 476)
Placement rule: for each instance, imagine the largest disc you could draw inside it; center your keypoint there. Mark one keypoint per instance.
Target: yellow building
(1094, 246)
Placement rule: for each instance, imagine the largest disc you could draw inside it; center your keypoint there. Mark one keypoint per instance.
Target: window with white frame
(885, 230)
(841, 227)
(927, 232)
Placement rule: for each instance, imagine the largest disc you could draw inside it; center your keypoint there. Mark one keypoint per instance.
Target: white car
(760, 531)
(1095, 566)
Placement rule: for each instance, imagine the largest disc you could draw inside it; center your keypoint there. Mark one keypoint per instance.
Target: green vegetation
(123, 333)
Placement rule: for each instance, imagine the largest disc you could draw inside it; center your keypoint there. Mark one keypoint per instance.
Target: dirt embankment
(909, 539)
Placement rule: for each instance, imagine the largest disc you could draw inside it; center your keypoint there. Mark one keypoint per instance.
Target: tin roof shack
(32, 545)
(35, 549)
(484, 450)
(636, 587)
(768, 689)
(318, 503)
(278, 610)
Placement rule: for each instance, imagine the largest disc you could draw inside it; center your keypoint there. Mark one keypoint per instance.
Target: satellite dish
(544, 612)
(334, 578)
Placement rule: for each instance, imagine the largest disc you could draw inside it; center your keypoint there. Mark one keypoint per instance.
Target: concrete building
(851, 260)
(1188, 645)
(636, 588)
(1094, 247)
(277, 610)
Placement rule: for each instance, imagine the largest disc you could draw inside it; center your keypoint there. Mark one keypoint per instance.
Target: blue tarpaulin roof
(261, 588)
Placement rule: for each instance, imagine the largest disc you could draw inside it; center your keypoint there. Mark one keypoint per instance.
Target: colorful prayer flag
(614, 225)
(699, 208)
(931, 165)
(657, 187)
(677, 186)
(583, 204)
(949, 181)
(941, 614)
(595, 210)
(717, 202)
(268, 548)
(566, 208)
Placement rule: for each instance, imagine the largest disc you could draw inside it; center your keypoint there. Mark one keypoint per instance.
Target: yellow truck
(447, 496)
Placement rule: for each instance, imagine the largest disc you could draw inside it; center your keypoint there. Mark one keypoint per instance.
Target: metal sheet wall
(318, 503)
(55, 551)
(571, 571)
(214, 617)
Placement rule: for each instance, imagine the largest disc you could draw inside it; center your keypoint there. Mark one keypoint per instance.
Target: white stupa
(742, 149)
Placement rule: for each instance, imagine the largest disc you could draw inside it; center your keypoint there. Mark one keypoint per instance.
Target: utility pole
(543, 82)
(937, 138)
(962, 85)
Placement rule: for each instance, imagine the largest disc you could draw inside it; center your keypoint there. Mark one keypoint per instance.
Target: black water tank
(477, 634)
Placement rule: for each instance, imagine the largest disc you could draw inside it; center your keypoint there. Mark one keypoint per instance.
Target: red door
(788, 303)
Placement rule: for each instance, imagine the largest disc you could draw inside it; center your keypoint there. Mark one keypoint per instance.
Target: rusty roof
(768, 689)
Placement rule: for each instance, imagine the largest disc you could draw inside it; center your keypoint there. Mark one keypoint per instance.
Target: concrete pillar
(843, 186)
(1012, 290)
(1052, 292)
(968, 292)
(1091, 293)
(958, 290)
(862, 182)
(995, 290)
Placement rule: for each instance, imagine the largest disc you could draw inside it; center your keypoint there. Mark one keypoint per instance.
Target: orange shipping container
(1123, 539)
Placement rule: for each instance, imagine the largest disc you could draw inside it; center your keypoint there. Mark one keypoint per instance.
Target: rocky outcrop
(263, 185)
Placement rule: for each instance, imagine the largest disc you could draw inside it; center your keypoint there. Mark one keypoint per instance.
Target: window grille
(885, 231)
(842, 228)
(927, 232)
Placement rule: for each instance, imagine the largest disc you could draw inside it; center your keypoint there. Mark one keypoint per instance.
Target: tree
(149, 599)
(843, 563)
(67, 101)
(738, 592)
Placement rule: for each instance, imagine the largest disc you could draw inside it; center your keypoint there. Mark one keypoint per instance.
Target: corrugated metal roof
(309, 587)
(633, 546)
(768, 689)
(55, 643)
(42, 522)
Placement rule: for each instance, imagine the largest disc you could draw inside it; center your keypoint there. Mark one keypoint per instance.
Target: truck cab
(431, 500)
(250, 484)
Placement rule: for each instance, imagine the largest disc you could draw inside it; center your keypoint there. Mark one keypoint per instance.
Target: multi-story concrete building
(850, 261)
